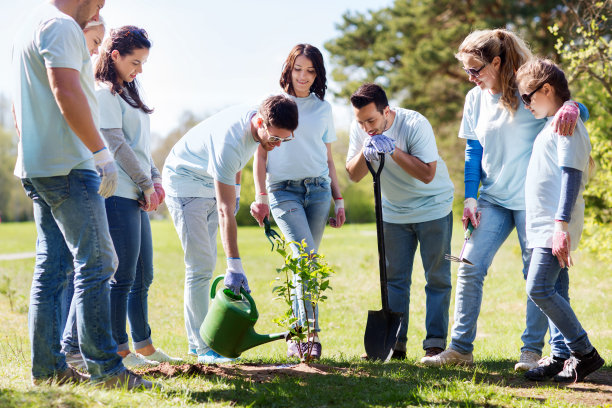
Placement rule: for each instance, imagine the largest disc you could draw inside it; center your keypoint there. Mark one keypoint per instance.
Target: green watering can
(228, 328)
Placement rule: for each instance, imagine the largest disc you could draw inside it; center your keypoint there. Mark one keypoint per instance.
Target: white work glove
(561, 244)
(105, 165)
(338, 220)
(260, 208)
(235, 277)
(237, 199)
(470, 213)
(376, 144)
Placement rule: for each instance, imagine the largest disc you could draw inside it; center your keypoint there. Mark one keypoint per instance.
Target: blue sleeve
(584, 112)
(570, 185)
(473, 166)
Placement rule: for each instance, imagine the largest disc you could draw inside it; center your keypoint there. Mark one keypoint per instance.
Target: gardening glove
(161, 193)
(260, 208)
(561, 244)
(151, 200)
(338, 220)
(105, 165)
(235, 277)
(237, 200)
(377, 144)
(565, 118)
(470, 213)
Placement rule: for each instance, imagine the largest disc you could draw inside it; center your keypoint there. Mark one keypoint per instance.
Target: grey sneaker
(161, 357)
(315, 349)
(528, 361)
(136, 361)
(76, 361)
(293, 348)
(129, 381)
(69, 375)
(448, 357)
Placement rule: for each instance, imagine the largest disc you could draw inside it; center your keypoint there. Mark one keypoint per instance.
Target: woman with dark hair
(301, 177)
(124, 124)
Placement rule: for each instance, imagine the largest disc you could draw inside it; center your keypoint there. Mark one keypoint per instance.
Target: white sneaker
(448, 357)
(528, 361)
(161, 357)
(135, 360)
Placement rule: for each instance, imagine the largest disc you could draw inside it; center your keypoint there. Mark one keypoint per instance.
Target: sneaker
(129, 381)
(192, 352)
(547, 368)
(76, 361)
(448, 357)
(433, 351)
(69, 375)
(315, 349)
(528, 361)
(293, 348)
(577, 367)
(211, 357)
(398, 355)
(135, 360)
(161, 357)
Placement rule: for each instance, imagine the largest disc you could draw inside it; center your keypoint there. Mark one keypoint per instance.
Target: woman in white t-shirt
(300, 175)
(556, 176)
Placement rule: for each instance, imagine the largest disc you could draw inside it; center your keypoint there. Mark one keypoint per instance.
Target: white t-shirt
(306, 155)
(216, 149)
(48, 147)
(115, 113)
(506, 141)
(543, 184)
(404, 198)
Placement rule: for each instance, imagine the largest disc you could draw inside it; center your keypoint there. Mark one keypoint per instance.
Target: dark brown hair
(280, 112)
(540, 71)
(125, 40)
(368, 93)
(314, 55)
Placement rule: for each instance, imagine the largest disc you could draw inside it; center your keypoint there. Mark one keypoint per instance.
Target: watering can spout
(255, 339)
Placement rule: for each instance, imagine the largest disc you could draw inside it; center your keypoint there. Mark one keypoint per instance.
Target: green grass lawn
(352, 252)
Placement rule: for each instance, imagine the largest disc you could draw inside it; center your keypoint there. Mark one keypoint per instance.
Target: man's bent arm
(424, 172)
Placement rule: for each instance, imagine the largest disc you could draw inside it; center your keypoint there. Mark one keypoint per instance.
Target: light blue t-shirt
(406, 200)
(216, 149)
(306, 155)
(48, 147)
(543, 183)
(506, 141)
(115, 113)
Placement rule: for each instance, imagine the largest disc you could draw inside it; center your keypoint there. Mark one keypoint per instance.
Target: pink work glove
(470, 213)
(161, 194)
(260, 208)
(566, 118)
(151, 201)
(561, 244)
(340, 218)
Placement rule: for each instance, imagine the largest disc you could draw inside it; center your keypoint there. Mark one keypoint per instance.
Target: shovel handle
(382, 265)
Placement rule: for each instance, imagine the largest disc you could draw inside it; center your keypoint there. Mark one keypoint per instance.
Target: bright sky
(207, 55)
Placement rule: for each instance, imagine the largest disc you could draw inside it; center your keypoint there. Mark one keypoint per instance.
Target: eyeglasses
(527, 97)
(475, 72)
(276, 139)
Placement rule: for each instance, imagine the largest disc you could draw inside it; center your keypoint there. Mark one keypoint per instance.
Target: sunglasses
(276, 139)
(527, 97)
(475, 72)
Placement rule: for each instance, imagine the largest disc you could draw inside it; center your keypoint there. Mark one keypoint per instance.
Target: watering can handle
(254, 315)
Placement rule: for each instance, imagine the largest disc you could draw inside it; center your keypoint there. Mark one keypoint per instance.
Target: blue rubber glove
(377, 144)
(235, 277)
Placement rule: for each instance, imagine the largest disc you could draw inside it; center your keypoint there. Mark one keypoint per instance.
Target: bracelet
(98, 151)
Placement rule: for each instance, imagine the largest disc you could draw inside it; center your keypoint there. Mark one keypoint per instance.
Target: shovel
(382, 327)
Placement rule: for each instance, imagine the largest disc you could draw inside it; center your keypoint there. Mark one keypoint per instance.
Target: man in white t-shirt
(417, 197)
(56, 117)
(201, 177)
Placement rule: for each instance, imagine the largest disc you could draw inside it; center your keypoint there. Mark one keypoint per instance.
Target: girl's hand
(470, 213)
(562, 244)
(151, 200)
(566, 118)
(260, 208)
(340, 218)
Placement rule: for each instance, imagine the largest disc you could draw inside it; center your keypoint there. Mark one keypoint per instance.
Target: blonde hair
(510, 48)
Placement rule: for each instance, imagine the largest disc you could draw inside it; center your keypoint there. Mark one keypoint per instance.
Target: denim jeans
(196, 222)
(496, 223)
(434, 238)
(130, 230)
(68, 211)
(300, 209)
(541, 288)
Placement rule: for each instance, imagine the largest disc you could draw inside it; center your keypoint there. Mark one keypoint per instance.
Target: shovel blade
(382, 330)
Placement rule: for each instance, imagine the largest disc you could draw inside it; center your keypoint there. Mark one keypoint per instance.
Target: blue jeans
(496, 224)
(130, 230)
(434, 238)
(300, 209)
(542, 289)
(68, 211)
(196, 222)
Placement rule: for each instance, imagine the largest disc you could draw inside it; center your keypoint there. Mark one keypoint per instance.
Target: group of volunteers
(84, 158)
